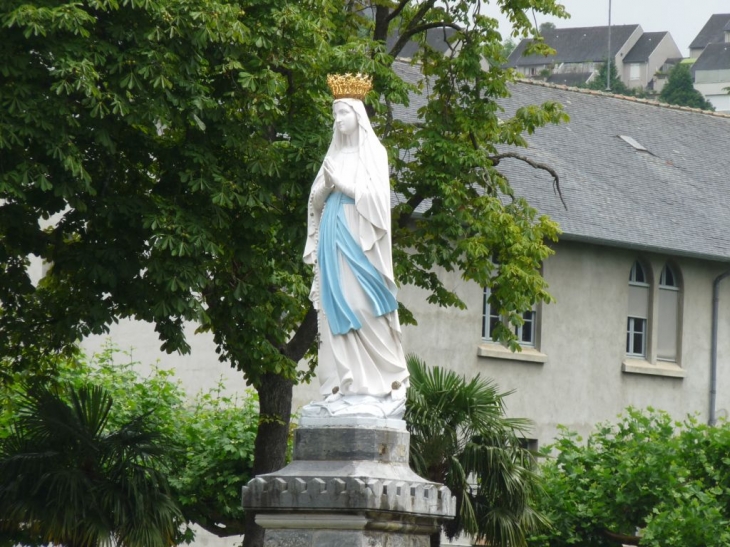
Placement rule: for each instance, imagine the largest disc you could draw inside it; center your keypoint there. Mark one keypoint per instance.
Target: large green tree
(680, 90)
(645, 480)
(157, 154)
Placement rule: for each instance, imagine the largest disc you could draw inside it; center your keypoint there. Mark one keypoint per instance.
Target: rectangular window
(490, 317)
(634, 71)
(636, 337)
(526, 333)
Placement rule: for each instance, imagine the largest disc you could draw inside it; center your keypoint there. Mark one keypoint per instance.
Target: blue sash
(336, 240)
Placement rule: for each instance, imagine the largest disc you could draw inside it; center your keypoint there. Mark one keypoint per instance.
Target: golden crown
(349, 86)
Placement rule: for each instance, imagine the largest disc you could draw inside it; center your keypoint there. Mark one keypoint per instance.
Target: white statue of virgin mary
(349, 245)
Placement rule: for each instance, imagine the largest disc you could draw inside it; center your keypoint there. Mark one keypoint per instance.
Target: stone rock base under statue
(349, 485)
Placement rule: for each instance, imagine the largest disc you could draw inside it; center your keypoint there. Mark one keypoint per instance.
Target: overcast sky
(682, 18)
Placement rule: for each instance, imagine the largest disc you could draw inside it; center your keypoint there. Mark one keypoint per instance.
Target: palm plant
(460, 437)
(67, 480)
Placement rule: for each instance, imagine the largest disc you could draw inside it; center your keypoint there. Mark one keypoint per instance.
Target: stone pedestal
(349, 485)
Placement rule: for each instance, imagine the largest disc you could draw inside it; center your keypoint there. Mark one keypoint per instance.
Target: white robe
(369, 360)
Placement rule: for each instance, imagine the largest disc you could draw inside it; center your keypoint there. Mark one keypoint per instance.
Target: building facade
(711, 70)
(580, 52)
(645, 235)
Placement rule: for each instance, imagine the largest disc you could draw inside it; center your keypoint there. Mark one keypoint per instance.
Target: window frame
(639, 276)
(487, 319)
(676, 288)
(632, 332)
(654, 318)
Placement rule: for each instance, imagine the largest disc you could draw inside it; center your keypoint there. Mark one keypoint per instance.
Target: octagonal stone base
(348, 486)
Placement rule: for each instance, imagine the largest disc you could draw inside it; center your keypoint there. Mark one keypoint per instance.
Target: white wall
(583, 336)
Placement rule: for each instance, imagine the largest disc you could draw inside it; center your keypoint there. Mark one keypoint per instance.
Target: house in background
(712, 75)
(711, 70)
(580, 52)
(648, 57)
(715, 31)
(645, 235)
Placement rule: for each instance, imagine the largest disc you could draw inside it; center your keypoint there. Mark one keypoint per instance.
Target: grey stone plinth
(350, 444)
(348, 487)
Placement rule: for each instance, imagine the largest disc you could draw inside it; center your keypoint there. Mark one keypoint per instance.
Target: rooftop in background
(672, 198)
(712, 32)
(575, 45)
(645, 47)
(714, 57)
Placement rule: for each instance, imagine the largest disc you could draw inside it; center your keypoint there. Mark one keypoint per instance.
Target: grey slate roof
(674, 198)
(575, 45)
(644, 47)
(712, 32)
(713, 57)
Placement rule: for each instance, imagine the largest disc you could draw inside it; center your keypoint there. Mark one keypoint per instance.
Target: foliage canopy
(667, 480)
(68, 478)
(207, 441)
(167, 149)
(680, 90)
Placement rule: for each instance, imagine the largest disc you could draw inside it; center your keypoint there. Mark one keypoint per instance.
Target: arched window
(638, 317)
(668, 314)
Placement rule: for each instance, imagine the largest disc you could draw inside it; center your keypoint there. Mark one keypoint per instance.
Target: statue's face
(345, 118)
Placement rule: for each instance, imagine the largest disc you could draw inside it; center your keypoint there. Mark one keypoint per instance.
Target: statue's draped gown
(349, 245)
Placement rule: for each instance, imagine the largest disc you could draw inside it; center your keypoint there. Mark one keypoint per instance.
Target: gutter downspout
(713, 347)
(608, 56)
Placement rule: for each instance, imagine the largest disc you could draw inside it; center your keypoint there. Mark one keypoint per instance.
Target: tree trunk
(275, 397)
(436, 538)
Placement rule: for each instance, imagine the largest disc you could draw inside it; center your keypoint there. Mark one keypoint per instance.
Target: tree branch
(396, 12)
(408, 34)
(537, 165)
(303, 338)
(413, 202)
(414, 22)
(381, 24)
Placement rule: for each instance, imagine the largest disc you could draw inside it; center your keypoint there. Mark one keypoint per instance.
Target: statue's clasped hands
(331, 179)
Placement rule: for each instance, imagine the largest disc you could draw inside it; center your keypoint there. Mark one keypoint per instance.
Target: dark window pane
(637, 273)
(528, 328)
(668, 276)
(638, 338)
(492, 323)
